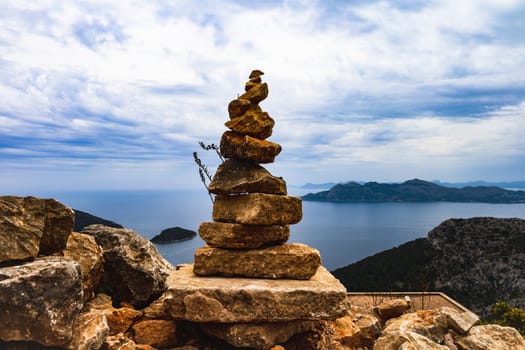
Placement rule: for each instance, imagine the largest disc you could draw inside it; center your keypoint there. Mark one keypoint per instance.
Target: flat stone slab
(257, 209)
(236, 176)
(291, 261)
(230, 300)
(229, 235)
(234, 145)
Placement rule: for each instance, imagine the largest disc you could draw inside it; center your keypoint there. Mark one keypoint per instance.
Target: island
(173, 234)
(415, 190)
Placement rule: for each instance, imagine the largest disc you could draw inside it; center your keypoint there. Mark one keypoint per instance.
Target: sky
(117, 94)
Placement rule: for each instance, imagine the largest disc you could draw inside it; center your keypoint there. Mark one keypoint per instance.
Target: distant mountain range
(415, 191)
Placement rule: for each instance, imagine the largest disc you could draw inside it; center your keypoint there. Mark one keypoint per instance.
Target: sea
(343, 232)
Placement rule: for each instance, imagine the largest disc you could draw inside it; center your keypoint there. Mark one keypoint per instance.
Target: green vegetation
(505, 315)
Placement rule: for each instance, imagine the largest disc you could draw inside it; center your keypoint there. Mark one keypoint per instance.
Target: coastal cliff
(477, 261)
(108, 288)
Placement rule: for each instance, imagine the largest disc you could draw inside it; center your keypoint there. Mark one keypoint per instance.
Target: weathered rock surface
(134, 271)
(232, 300)
(492, 337)
(89, 331)
(236, 176)
(253, 123)
(238, 107)
(256, 335)
(228, 235)
(29, 226)
(160, 334)
(407, 340)
(287, 261)
(120, 319)
(460, 322)
(40, 300)
(234, 145)
(391, 309)
(85, 250)
(119, 342)
(257, 209)
(257, 93)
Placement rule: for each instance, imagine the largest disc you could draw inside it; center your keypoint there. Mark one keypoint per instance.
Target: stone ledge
(219, 299)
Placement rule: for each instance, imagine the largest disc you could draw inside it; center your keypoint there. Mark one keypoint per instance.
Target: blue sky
(116, 94)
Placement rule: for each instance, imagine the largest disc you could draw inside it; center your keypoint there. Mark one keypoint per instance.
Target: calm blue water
(343, 232)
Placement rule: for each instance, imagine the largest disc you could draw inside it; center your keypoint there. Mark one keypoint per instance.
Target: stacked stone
(252, 210)
(247, 285)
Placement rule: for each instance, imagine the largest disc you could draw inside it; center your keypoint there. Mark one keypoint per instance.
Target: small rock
(89, 331)
(236, 176)
(252, 123)
(134, 271)
(492, 337)
(121, 319)
(119, 342)
(237, 107)
(245, 147)
(157, 333)
(85, 250)
(391, 309)
(228, 235)
(257, 209)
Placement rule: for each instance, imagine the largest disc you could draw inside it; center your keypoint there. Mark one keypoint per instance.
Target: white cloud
(147, 79)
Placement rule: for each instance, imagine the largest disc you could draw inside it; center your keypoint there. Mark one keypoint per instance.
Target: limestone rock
(430, 324)
(121, 319)
(356, 329)
(58, 225)
(256, 335)
(407, 341)
(236, 176)
(119, 342)
(134, 271)
(492, 337)
(234, 145)
(257, 93)
(288, 261)
(160, 334)
(40, 300)
(85, 250)
(228, 235)
(391, 309)
(253, 123)
(29, 226)
(237, 107)
(460, 322)
(218, 299)
(89, 331)
(257, 209)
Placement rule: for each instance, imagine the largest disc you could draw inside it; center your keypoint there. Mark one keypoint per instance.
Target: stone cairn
(247, 273)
